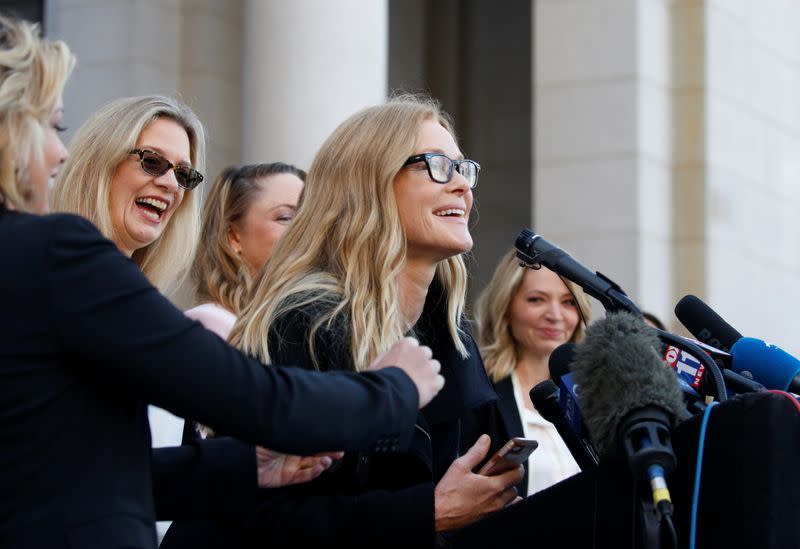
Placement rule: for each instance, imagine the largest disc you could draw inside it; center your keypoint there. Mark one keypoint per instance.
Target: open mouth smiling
(450, 212)
(152, 207)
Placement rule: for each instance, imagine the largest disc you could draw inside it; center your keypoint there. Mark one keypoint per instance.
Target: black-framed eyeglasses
(156, 165)
(441, 167)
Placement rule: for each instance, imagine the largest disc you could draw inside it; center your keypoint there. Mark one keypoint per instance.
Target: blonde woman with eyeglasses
(375, 253)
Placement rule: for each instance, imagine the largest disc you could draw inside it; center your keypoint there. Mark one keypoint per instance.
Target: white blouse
(213, 317)
(551, 462)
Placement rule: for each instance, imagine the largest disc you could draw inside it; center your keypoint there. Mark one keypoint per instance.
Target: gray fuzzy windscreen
(618, 370)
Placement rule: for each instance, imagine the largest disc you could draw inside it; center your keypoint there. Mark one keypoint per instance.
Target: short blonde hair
(99, 146)
(346, 248)
(33, 72)
(220, 274)
(492, 313)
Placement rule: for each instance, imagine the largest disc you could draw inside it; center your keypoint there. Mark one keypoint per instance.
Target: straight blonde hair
(220, 274)
(99, 146)
(346, 247)
(33, 72)
(497, 346)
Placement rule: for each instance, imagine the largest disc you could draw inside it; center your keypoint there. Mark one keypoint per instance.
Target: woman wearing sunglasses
(375, 253)
(131, 173)
(86, 341)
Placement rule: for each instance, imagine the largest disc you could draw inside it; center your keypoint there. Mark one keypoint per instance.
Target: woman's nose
(63, 153)
(554, 311)
(459, 184)
(168, 181)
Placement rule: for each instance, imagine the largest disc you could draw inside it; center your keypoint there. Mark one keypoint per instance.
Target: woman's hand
(417, 361)
(462, 497)
(276, 469)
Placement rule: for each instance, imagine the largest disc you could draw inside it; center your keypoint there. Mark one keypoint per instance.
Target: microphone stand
(645, 438)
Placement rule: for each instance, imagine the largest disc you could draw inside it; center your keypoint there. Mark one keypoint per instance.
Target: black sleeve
(123, 333)
(204, 479)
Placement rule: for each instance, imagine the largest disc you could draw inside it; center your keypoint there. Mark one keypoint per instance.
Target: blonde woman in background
(245, 213)
(522, 316)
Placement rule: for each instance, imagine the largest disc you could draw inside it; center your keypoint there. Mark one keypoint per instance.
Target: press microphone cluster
(752, 360)
(533, 251)
(619, 370)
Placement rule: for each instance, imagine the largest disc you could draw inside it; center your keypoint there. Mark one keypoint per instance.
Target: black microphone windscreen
(544, 396)
(618, 370)
(705, 324)
(560, 360)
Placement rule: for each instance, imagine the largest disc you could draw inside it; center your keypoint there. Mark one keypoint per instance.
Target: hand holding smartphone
(511, 455)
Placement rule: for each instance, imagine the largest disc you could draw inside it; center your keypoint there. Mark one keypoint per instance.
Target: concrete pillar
(752, 137)
(305, 71)
(602, 147)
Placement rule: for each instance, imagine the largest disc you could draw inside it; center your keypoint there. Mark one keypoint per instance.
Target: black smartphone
(511, 455)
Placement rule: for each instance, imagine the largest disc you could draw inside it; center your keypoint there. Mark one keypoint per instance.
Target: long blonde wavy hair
(33, 72)
(346, 247)
(100, 145)
(492, 307)
(220, 274)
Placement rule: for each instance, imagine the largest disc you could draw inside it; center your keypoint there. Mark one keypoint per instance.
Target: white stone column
(602, 147)
(752, 179)
(308, 65)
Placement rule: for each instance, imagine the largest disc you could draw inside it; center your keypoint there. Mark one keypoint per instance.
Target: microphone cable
(701, 443)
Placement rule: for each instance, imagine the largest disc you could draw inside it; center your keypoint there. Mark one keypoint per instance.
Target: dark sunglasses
(442, 167)
(156, 165)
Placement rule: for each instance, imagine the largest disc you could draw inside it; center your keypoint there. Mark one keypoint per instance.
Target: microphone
(770, 365)
(691, 371)
(560, 360)
(630, 398)
(545, 397)
(557, 403)
(705, 324)
(751, 358)
(534, 251)
(568, 400)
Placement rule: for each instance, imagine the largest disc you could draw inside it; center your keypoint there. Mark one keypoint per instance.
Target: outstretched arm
(126, 335)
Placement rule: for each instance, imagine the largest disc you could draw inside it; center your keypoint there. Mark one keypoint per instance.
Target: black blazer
(204, 478)
(86, 342)
(374, 498)
(500, 420)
